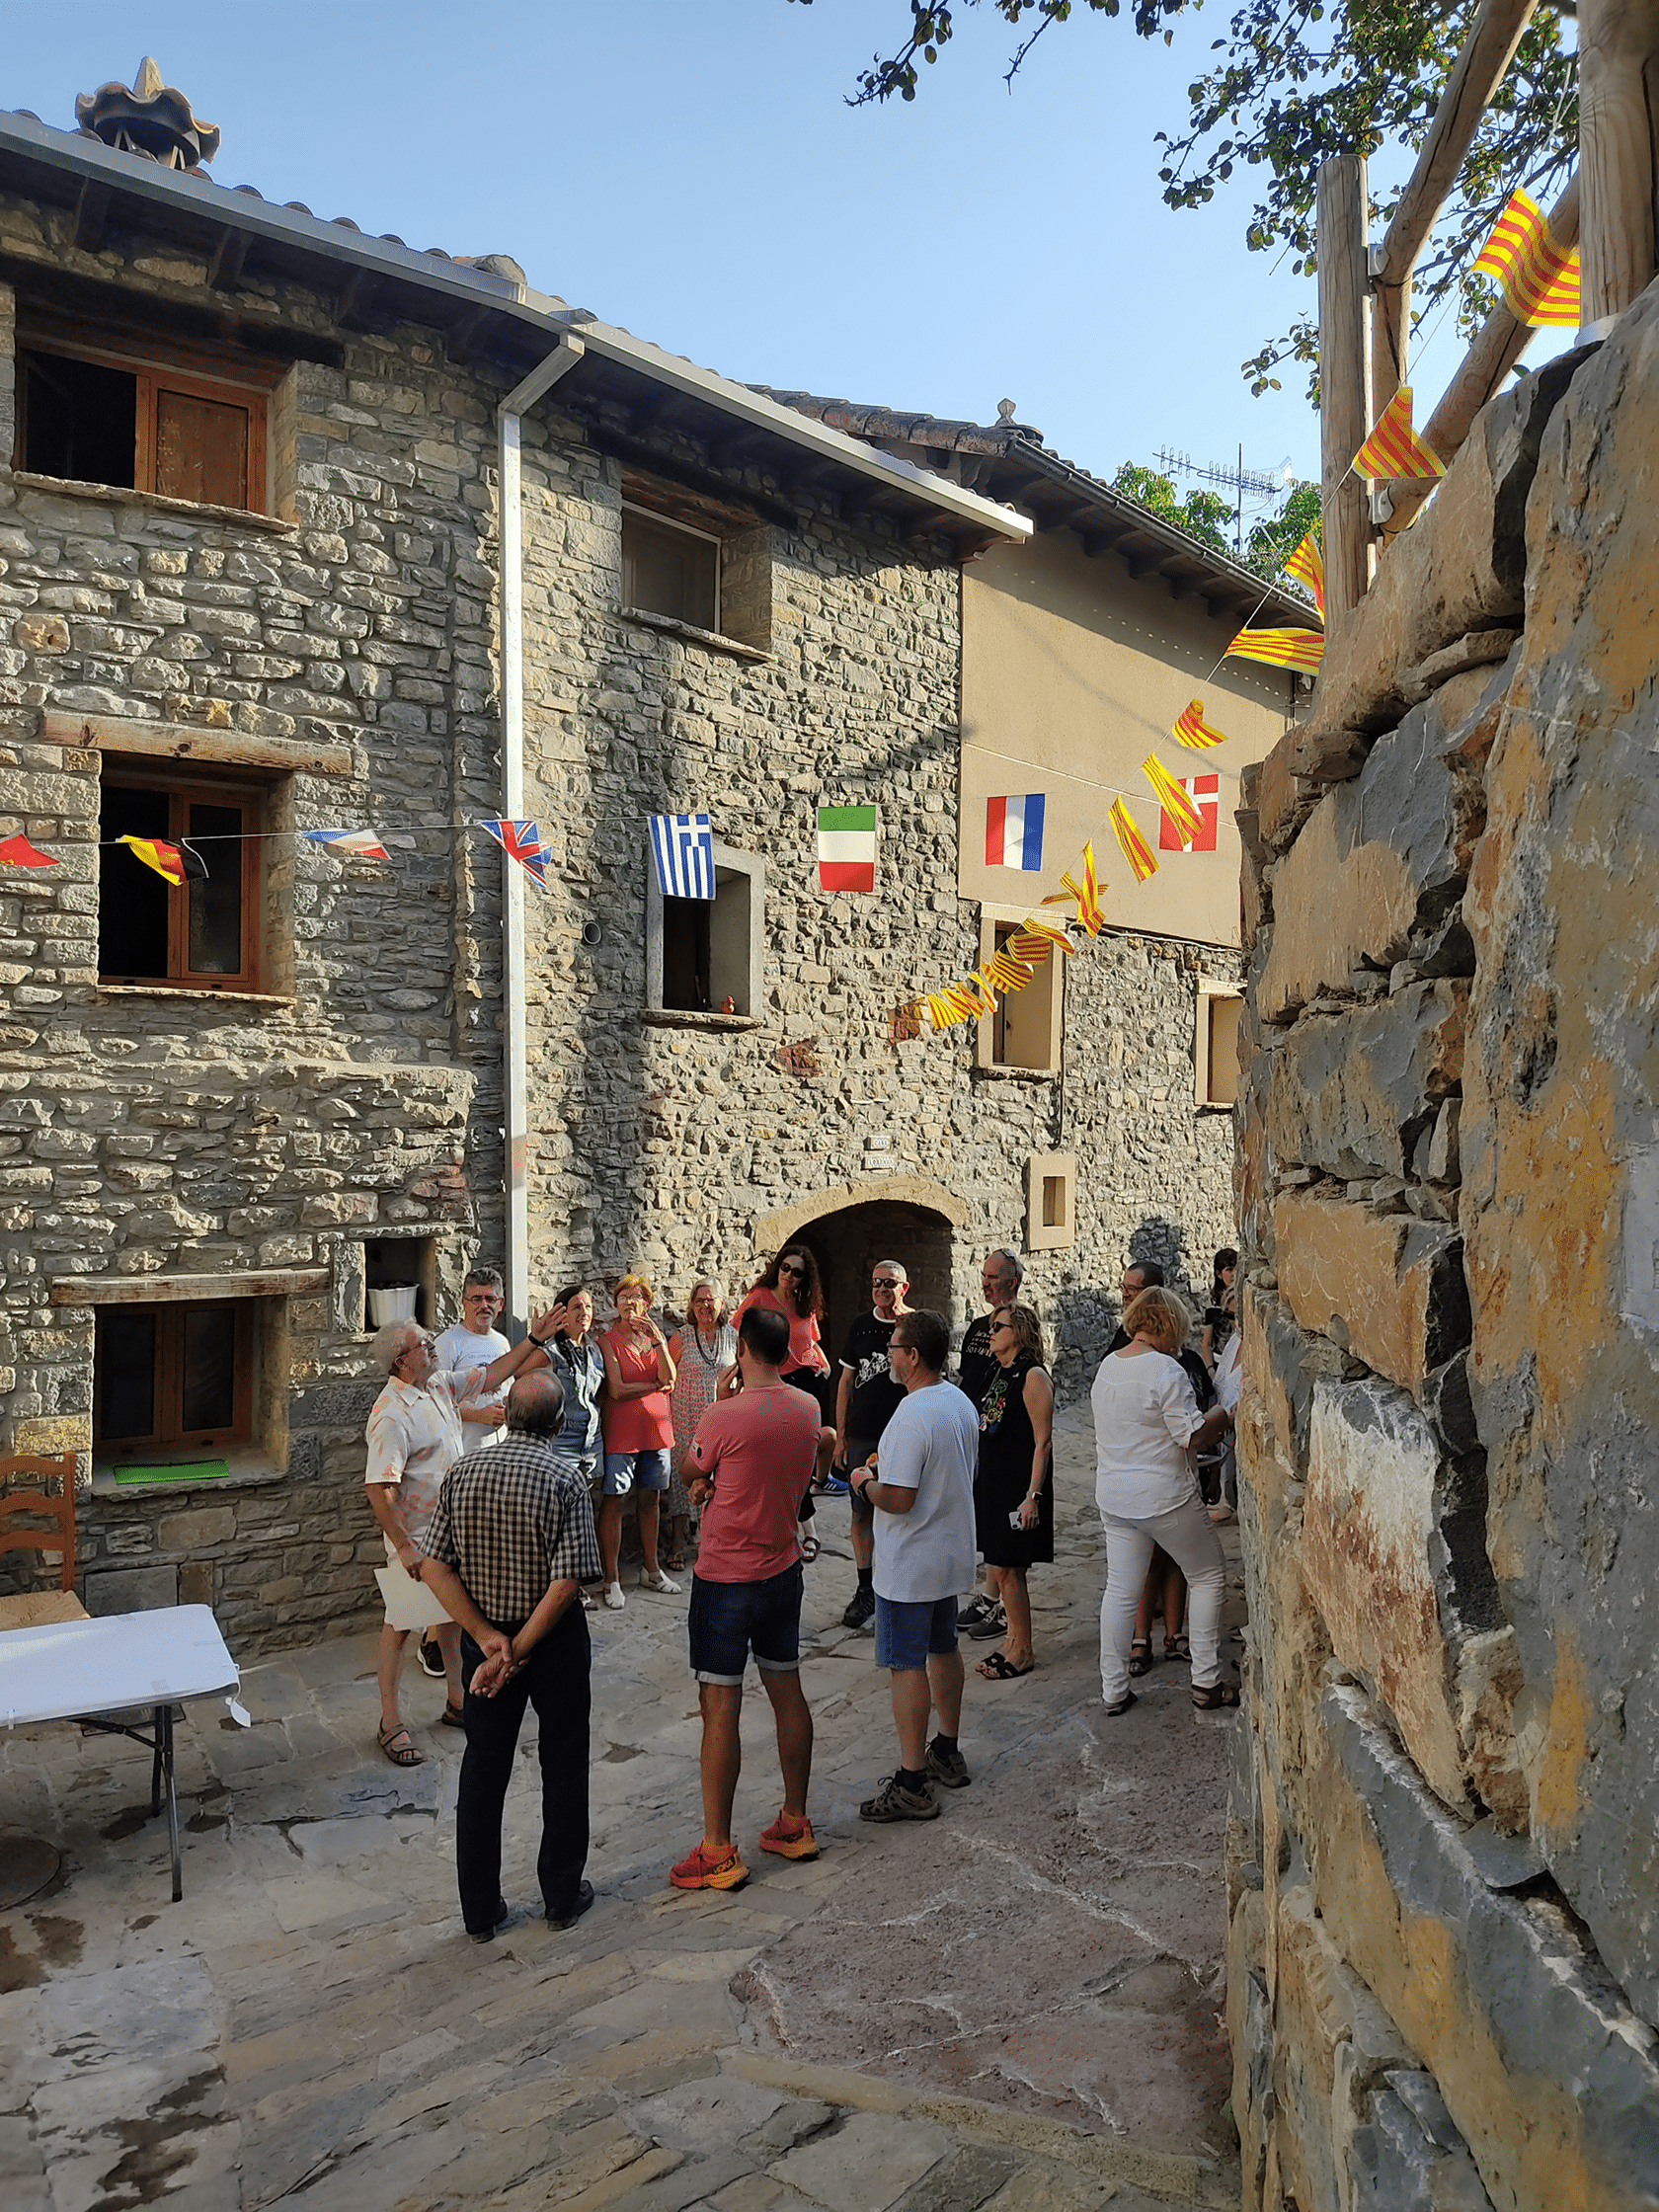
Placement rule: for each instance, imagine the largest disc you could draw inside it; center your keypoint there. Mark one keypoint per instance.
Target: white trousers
(1189, 1536)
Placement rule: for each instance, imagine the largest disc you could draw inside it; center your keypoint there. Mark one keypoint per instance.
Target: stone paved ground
(1014, 2007)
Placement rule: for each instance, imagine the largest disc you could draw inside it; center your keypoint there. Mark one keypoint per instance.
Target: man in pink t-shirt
(746, 1469)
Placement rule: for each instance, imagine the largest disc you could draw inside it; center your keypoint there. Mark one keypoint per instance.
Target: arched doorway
(848, 1230)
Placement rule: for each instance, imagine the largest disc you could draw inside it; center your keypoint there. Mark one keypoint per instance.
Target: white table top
(67, 1668)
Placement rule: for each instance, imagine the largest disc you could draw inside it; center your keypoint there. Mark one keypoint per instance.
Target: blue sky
(689, 168)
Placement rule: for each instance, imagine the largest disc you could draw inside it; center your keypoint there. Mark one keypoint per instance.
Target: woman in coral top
(791, 1286)
(638, 1433)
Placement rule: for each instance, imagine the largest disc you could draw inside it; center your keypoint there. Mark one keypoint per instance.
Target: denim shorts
(908, 1635)
(635, 1470)
(730, 1619)
(576, 1460)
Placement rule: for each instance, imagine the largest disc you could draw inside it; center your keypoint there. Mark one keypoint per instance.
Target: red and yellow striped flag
(1136, 850)
(1307, 565)
(1394, 448)
(1033, 941)
(1191, 730)
(1175, 800)
(1540, 281)
(1086, 894)
(1280, 649)
(1006, 973)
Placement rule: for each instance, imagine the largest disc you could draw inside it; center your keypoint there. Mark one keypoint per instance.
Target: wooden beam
(1344, 383)
(185, 741)
(92, 210)
(170, 1290)
(1498, 345)
(225, 267)
(1617, 94)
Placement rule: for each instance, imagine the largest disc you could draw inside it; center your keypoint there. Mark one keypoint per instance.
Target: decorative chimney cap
(1006, 408)
(148, 119)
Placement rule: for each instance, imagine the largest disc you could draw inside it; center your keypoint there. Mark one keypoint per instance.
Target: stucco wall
(1071, 672)
(1444, 1966)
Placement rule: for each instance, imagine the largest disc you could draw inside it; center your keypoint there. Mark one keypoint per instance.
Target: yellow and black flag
(175, 863)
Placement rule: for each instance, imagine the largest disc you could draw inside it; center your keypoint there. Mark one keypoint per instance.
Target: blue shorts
(908, 1635)
(577, 1459)
(730, 1619)
(635, 1470)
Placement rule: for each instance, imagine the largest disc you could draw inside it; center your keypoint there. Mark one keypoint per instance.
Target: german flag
(174, 863)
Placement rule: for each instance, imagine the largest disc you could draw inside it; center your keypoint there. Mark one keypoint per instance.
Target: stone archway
(848, 1229)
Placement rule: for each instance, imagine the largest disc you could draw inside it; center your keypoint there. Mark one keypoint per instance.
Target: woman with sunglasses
(790, 1286)
(1013, 1495)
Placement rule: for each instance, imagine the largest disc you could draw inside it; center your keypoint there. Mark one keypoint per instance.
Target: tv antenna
(1235, 477)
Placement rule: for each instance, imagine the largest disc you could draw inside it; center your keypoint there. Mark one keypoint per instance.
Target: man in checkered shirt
(508, 1546)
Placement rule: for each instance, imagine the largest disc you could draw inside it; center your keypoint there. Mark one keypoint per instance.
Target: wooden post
(1475, 75)
(1618, 107)
(1344, 383)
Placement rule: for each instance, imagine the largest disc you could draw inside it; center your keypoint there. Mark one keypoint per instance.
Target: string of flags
(1540, 279)
(178, 863)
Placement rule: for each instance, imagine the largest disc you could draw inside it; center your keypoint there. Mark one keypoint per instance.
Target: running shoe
(790, 1838)
(431, 1658)
(838, 1486)
(700, 1869)
(978, 1608)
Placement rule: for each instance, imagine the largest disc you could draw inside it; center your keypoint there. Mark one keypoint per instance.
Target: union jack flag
(523, 842)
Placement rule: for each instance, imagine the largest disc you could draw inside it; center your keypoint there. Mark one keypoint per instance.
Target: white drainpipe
(515, 1070)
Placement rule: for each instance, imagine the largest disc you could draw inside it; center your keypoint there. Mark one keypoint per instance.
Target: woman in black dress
(1013, 1495)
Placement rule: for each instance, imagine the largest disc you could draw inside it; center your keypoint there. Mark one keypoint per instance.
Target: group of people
(747, 1426)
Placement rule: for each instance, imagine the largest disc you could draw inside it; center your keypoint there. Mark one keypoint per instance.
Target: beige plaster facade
(1073, 671)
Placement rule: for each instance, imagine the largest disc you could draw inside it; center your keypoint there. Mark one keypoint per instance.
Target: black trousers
(555, 1680)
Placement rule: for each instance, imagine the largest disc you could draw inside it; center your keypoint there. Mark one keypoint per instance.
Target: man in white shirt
(924, 1501)
(471, 1342)
(415, 1435)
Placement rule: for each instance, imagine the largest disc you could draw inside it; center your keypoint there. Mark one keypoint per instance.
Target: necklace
(706, 1352)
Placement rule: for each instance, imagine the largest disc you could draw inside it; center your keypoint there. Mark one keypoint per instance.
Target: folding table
(99, 1671)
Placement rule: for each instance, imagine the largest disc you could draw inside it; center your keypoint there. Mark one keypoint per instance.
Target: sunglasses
(888, 1282)
(792, 1271)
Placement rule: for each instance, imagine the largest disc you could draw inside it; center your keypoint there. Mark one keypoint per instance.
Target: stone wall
(1444, 1981)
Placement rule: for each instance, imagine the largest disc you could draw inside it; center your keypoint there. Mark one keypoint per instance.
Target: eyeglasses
(888, 1282)
(996, 1326)
(792, 1271)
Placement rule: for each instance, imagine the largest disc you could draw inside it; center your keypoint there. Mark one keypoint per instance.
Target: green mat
(196, 1470)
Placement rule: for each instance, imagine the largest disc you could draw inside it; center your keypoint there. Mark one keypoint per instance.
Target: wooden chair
(33, 1521)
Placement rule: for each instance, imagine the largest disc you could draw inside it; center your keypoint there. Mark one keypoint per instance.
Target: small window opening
(203, 931)
(1218, 1049)
(1054, 1202)
(1022, 1029)
(706, 948)
(144, 429)
(400, 1263)
(669, 569)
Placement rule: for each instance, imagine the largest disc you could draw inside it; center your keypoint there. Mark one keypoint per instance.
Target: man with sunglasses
(866, 1399)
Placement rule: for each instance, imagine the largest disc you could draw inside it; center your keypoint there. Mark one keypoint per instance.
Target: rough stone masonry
(1444, 1854)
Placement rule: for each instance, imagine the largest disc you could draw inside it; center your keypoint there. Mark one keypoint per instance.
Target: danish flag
(1204, 792)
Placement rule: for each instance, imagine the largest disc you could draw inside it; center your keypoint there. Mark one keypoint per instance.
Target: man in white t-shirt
(924, 1501)
(475, 1341)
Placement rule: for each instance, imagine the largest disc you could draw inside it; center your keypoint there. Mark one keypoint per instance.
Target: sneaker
(660, 1582)
(432, 1659)
(613, 1596)
(701, 1870)
(573, 1911)
(947, 1767)
(894, 1802)
(993, 1624)
(975, 1611)
(790, 1839)
(838, 1486)
(862, 1610)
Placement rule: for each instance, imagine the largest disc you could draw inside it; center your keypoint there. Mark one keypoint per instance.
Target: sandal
(1218, 1693)
(1177, 1647)
(675, 1563)
(998, 1667)
(1141, 1655)
(398, 1746)
(451, 1716)
(1116, 1712)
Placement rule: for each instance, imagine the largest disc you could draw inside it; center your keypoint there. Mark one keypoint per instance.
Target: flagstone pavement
(1014, 2007)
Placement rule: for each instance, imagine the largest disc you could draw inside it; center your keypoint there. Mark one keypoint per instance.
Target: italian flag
(846, 848)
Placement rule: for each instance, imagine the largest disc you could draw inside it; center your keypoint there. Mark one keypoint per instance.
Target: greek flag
(682, 852)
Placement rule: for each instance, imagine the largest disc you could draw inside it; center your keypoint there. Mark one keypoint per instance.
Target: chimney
(148, 119)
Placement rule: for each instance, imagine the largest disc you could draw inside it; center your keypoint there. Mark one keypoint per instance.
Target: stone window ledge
(1000, 1073)
(681, 1017)
(196, 991)
(250, 1470)
(672, 628)
(155, 502)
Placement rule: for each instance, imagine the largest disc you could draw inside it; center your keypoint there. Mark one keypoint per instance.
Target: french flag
(1015, 833)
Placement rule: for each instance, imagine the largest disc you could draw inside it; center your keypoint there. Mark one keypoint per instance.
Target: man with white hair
(415, 1435)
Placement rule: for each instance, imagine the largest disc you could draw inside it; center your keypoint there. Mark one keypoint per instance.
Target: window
(1216, 1047)
(670, 568)
(394, 1263)
(203, 934)
(97, 420)
(702, 956)
(1025, 1030)
(173, 1377)
(1051, 1201)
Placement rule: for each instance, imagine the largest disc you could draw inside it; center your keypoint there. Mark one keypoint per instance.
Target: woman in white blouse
(1146, 1417)
(703, 1350)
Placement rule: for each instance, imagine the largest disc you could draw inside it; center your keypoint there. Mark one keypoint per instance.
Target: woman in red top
(638, 1433)
(791, 1286)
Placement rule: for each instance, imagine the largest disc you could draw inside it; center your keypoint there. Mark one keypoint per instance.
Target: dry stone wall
(1444, 1949)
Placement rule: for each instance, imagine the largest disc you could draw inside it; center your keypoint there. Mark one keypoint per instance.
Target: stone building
(1444, 1957)
(303, 530)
